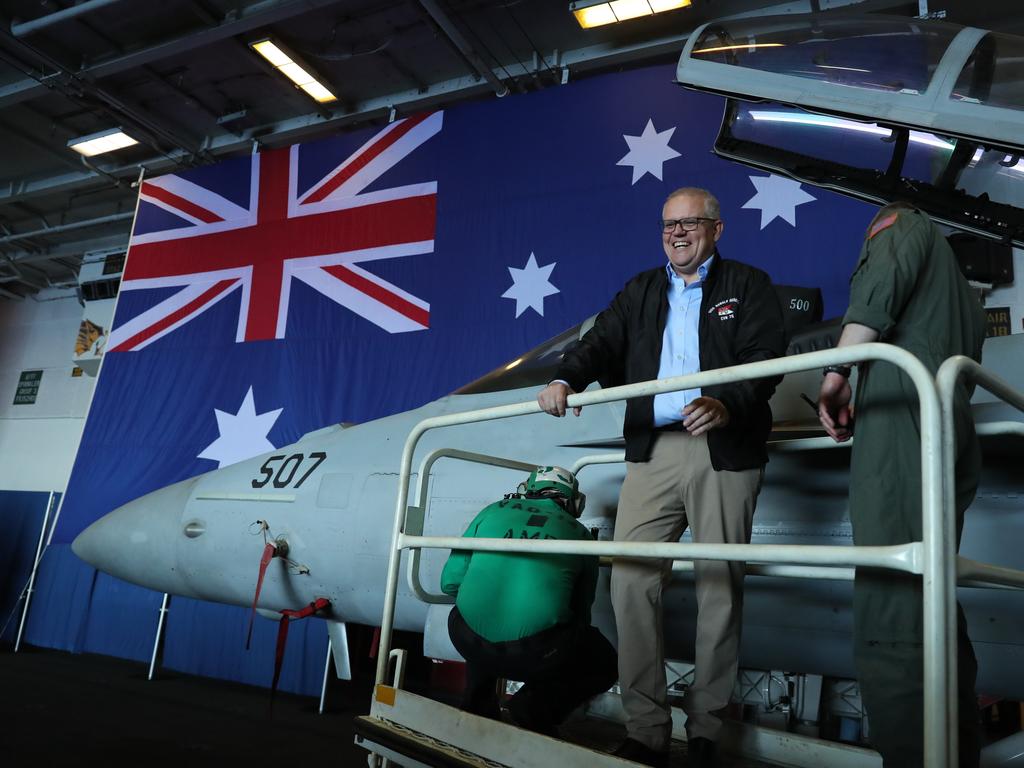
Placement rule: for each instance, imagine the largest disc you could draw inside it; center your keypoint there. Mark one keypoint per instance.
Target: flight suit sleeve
(760, 336)
(458, 562)
(887, 272)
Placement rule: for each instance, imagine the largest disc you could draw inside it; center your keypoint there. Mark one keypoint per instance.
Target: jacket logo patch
(725, 309)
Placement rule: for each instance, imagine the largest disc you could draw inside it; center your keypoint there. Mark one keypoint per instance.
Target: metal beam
(47, 231)
(249, 17)
(32, 141)
(34, 25)
(72, 250)
(448, 27)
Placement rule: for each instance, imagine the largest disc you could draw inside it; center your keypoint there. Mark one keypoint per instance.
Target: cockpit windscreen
(536, 368)
(959, 181)
(868, 53)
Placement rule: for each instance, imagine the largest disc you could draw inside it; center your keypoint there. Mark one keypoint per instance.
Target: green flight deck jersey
(510, 595)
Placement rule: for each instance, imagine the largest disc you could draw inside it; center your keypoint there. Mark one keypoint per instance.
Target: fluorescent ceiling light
(104, 141)
(630, 9)
(317, 91)
(271, 53)
(595, 13)
(287, 65)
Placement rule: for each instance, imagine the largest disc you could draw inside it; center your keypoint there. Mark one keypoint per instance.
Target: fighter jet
(946, 141)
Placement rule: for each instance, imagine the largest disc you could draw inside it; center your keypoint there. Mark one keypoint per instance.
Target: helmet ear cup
(579, 503)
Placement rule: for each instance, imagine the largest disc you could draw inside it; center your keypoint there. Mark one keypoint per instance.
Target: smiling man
(694, 458)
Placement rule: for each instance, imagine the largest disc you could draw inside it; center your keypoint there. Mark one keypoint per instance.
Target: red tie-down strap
(287, 617)
(269, 553)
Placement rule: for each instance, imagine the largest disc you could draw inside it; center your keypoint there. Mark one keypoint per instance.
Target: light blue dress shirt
(680, 345)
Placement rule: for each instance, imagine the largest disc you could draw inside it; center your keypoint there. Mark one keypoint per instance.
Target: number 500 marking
(286, 472)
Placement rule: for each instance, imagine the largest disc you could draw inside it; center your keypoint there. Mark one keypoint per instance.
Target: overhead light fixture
(595, 13)
(104, 141)
(288, 65)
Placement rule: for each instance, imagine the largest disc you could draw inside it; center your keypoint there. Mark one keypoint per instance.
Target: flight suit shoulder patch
(883, 224)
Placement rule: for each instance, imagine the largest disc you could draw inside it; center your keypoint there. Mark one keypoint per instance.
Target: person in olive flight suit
(906, 290)
(524, 616)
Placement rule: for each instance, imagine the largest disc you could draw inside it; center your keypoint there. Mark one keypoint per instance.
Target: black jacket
(740, 322)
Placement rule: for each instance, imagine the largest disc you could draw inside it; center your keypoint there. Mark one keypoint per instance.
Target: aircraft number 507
(283, 474)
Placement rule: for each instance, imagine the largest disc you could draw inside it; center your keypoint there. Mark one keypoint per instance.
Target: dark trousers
(560, 668)
(891, 673)
(885, 508)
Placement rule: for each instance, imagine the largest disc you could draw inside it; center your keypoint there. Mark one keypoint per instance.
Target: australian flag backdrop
(363, 274)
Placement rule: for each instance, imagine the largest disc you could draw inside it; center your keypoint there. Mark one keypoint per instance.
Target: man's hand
(704, 413)
(834, 407)
(552, 399)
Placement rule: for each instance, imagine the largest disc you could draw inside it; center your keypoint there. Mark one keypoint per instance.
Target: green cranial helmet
(557, 482)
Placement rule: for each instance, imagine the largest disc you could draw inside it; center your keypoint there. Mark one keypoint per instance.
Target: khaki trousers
(660, 498)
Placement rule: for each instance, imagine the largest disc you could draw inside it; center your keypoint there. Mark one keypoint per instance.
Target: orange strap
(269, 553)
(287, 617)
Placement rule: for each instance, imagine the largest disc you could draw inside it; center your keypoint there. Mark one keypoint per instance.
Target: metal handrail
(936, 558)
(413, 574)
(948, 377)
(426, 466)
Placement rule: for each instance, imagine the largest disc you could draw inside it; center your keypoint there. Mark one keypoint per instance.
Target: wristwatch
(842, 370)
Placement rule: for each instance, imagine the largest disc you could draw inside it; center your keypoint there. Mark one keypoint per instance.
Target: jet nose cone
(137, 542)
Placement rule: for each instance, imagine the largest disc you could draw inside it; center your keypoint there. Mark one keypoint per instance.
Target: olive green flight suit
(907, 286)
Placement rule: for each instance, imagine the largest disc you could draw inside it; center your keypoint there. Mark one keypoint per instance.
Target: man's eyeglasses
(688, 225)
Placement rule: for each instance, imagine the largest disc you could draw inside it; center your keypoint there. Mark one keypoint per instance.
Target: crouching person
(526, 617)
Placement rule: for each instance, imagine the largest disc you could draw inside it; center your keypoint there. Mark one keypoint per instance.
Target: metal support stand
(159, 635)
(327, 669)
(35, 568)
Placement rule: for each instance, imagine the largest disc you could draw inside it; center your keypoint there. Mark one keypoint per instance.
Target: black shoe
(701, 753)
(522, 717)
(631, 749)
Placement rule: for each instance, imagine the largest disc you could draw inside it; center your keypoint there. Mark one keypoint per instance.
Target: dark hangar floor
(62, 709)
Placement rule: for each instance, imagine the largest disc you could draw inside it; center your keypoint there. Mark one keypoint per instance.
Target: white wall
(38, 442)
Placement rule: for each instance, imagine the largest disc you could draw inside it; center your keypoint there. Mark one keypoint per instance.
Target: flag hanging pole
(40, 548)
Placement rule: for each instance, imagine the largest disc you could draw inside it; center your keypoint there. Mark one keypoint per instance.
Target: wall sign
(28, 387)
(997, 321)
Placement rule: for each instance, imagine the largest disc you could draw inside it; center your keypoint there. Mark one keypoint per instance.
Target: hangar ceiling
(179, 75)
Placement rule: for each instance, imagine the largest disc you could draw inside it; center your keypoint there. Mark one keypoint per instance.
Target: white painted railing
(933, 557)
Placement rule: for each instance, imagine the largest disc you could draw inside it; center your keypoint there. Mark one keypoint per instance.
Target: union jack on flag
(209, 244)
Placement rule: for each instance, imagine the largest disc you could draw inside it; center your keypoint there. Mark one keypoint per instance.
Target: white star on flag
(530, 285)
(777, 197)
(242, 435)
(648, 152)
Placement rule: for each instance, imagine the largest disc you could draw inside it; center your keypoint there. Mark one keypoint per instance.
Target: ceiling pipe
(260, 13)
(34, 25)
(111, 104)
(68, 227)
(19, 276)
(448, 27)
